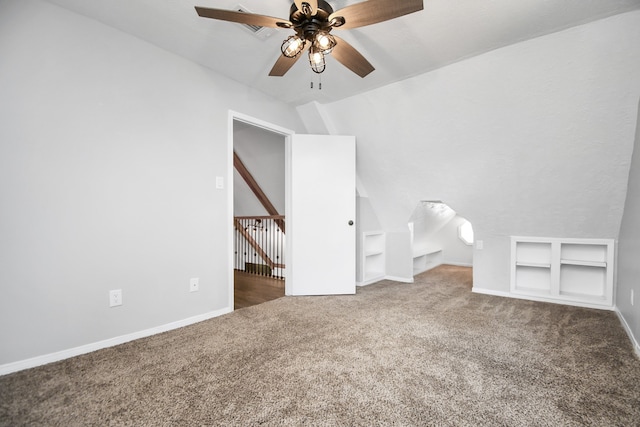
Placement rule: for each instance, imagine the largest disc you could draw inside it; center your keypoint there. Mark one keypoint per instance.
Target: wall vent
(260, 32)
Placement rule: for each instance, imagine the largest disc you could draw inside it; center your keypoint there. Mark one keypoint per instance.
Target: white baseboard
(505, 294)
(400, 279)
(370, 281)
(486, 291)
(625, 325)
(378, 279)
(457, 264)
(20, 365)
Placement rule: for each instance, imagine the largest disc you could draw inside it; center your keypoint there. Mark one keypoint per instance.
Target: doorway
(439, 235)
(320, 213)
(258, 203)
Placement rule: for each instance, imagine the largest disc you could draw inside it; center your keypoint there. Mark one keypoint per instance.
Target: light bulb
(292, 46)
(324, 42)
(316, 60)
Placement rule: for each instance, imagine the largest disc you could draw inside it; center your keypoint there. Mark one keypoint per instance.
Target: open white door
(321, 210)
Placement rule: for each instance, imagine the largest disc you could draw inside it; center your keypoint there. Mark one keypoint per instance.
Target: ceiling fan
(312, 21)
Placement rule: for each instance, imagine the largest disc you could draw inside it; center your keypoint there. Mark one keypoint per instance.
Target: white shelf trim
(568, 271)
(372, 253)
(533, 264)
(583, 263)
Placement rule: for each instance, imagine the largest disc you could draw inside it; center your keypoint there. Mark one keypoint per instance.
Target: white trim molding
(400, 279)
(627, 329)
(286, 134)
(381, 278)
(457, 264)
(507, 294)
(20, 365)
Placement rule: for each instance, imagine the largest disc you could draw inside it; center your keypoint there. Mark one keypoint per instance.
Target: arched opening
(439, 235)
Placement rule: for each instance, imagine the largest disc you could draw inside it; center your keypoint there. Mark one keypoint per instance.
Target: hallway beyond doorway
(251, 289)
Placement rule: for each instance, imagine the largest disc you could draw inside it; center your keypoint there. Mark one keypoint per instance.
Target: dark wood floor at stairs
(250, 289)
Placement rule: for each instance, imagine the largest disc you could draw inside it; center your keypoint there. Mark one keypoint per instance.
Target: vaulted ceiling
(446, 31)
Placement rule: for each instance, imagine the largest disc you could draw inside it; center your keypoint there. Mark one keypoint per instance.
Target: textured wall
(531, 139)
(629, 248)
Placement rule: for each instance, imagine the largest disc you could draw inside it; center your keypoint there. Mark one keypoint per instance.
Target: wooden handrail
(260, 217)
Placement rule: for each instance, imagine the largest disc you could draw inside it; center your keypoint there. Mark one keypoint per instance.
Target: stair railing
(259, 245)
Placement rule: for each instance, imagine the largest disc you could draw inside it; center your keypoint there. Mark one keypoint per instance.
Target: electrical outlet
(115, 298)
(194, 284)
(219, 182)
(631, 296)
(479, 245)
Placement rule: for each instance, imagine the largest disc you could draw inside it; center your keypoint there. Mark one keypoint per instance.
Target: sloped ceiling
(444, 32)
(533, 139)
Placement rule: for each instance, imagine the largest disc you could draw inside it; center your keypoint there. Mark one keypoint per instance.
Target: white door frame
(286, 133)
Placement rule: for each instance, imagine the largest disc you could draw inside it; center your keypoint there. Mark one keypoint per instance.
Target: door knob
(351, 222)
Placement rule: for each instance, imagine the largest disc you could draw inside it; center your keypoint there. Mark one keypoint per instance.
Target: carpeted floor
(427, 353)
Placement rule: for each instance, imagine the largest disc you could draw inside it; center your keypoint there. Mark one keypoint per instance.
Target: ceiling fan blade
(243, 18)
(348, 56)
(313, 4)
(284, 63)
(374, 11)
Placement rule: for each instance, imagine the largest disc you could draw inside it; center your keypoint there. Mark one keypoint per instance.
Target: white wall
(428, 219)
(629, 249)
(531, 139)
(454, 250)
(109, 149)
(399, 256)
(366, 220)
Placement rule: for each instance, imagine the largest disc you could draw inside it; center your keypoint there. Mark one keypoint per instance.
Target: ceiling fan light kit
(312, 21)
(324, 42)
(292, 46)
(316, 60)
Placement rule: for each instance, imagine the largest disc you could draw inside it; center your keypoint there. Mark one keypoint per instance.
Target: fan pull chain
(319, 82)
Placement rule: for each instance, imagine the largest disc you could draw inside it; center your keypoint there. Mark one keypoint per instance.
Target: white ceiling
(446, 31)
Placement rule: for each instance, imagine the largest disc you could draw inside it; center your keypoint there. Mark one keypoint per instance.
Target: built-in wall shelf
(533, 264)
(373, 257)
(583, 263)
(572, 271)
(426, 258)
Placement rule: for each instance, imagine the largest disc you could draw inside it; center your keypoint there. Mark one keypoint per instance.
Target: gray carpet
(428, 353)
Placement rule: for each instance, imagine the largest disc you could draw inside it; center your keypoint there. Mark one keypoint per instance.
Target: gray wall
(109, 151)
(263, 154)
(629, 248)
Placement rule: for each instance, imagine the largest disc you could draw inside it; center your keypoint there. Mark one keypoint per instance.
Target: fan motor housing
(305, 26)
